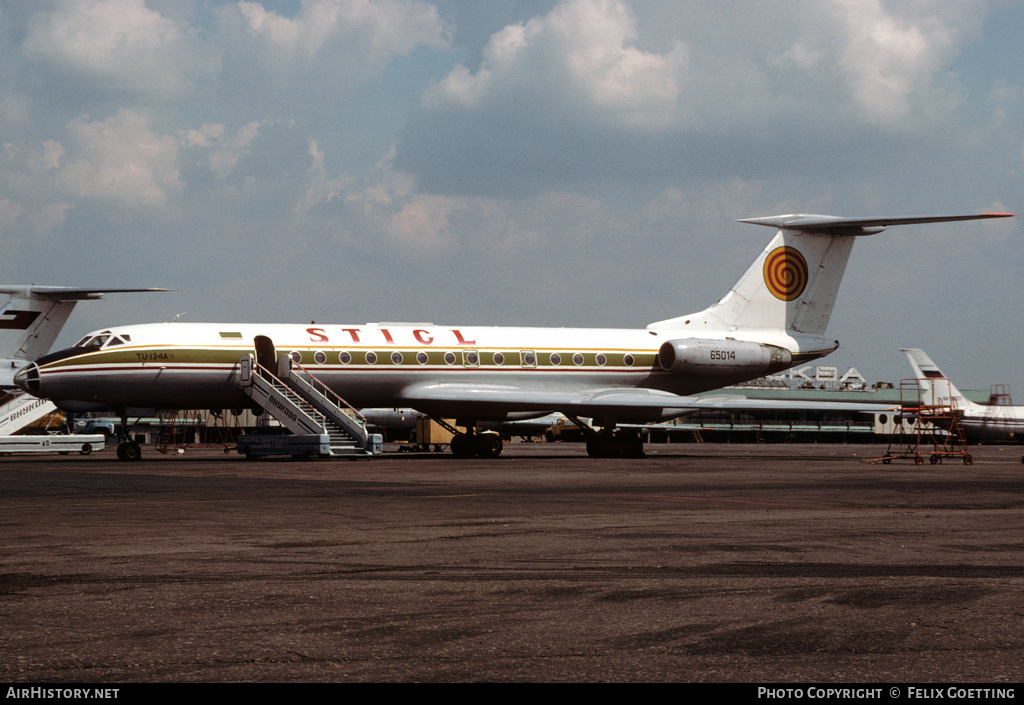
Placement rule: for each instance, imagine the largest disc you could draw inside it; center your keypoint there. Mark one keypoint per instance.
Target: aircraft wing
(740, 403)
(624, 405)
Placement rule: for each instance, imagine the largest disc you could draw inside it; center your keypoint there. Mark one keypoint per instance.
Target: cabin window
(499, 359)
(528, 358)
(628, 360)
(449, 358)
(577, 359)
(345, 357)
(555, 359)
(470, 358)
(371, 357)
(296, 356)
(422, 357)
(396, 358)
(601, 359)
(320, 357)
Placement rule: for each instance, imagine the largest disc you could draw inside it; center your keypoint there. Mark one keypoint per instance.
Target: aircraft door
(266, 354)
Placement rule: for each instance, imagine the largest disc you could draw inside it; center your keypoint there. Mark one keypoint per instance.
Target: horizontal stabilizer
(64, 293)
(838, 225)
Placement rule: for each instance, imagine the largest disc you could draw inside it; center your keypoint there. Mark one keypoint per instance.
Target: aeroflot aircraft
(980, 422)
(773, 318)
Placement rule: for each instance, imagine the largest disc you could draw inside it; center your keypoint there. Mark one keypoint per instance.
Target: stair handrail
(265, 372)
(327, 391)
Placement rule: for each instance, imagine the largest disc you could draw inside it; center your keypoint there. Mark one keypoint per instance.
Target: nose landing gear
(128, 451)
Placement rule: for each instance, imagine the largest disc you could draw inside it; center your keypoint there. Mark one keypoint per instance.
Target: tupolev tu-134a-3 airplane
(773, 318)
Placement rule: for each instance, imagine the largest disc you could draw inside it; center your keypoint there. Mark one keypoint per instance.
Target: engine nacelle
(727, 359)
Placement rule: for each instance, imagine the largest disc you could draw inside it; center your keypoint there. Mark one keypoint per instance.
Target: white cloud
(387, 27)
(892, 59)
(583, 51)
(321, 187)
(118, 44)
(348, 40)
(120, 160)
(225, 150)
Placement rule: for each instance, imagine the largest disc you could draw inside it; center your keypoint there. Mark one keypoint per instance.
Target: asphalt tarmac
(700, 563)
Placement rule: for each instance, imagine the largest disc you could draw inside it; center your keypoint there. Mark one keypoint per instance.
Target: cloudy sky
(527, 162)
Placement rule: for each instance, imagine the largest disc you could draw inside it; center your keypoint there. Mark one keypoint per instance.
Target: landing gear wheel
(472, 445)
(129, 451)
(463, 446)
(489, 445)
(619, 445)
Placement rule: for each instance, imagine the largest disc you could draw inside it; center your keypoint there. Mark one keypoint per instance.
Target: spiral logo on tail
(785, 273)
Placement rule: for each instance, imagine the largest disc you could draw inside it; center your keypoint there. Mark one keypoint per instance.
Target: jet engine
(727, 358)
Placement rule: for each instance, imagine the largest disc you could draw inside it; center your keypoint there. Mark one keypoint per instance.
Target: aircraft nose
(27, 378)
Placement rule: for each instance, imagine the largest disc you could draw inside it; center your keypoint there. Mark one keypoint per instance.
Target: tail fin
(793, 283)
(933, 386)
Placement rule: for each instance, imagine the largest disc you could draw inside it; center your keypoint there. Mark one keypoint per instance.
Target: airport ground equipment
(18, 410)
(305, 406)
(933, 428)
(304, 446)
(53, 443)
(198, 428)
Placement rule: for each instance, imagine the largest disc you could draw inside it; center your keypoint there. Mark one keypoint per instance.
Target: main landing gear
(610, 442)
(476, 445)
(472, 443)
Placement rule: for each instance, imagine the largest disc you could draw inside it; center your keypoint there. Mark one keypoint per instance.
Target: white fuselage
(195, 365)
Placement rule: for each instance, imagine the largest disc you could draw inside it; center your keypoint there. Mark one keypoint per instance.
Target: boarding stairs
(20, 409)
(304, 405)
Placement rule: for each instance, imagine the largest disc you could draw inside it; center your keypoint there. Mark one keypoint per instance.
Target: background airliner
(774, 317)
(980, 422)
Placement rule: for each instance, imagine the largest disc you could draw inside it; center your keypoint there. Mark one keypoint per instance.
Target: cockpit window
(115, 341)
(93, 341)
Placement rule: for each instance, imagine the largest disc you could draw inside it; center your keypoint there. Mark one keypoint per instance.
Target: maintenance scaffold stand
(928, 428)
